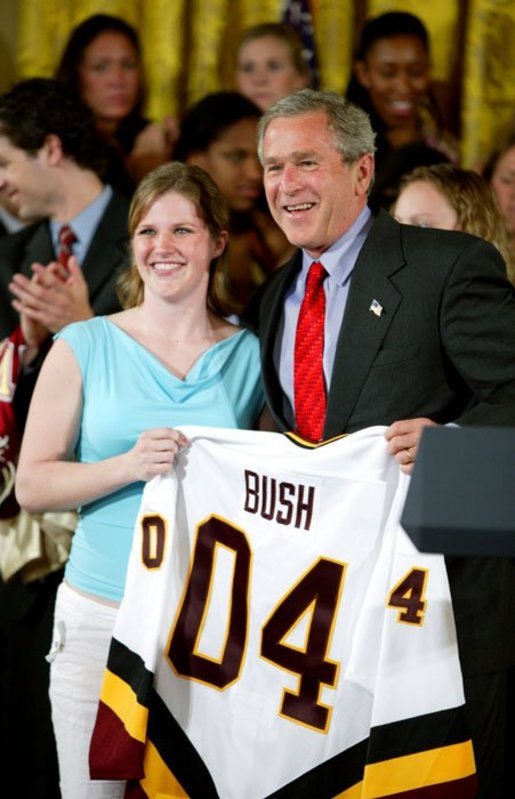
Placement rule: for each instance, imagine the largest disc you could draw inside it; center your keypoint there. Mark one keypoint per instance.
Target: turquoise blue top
(126, 390)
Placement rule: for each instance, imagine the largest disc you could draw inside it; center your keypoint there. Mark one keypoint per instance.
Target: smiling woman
(173, 235)
(173, 250)
(392, 83)
(125, 382)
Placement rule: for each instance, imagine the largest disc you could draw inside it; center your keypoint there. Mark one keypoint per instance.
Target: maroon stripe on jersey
(466, 788)
(111, 744)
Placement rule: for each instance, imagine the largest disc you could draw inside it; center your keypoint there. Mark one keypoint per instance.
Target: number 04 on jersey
(312, 602)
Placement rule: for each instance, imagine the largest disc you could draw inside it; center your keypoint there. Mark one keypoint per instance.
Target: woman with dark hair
(126, 381)
(102, 63)
(219, 134)
(392, 83)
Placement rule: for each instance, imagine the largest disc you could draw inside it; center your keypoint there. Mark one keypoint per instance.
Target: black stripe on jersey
(130, 668)
(177, 752)
(188, 768)
(330, 778)
(386, 743)
(419, 734)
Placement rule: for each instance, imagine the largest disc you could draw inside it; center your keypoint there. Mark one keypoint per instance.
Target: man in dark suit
(50, 165)
(417, 330)
(51, 162)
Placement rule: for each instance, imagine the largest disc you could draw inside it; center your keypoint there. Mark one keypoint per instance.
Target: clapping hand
(51, 299)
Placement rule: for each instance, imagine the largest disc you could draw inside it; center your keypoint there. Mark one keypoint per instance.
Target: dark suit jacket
(442, 347)
(107, 253)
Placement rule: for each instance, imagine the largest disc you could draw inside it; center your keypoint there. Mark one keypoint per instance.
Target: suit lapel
(270, 318)
(38, 249)
(108, 246)
(362, 331)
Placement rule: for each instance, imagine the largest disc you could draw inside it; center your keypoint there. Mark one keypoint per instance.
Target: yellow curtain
(254, 13)
(162, 30)
(44, 27)
(488, 109)
(334, 26)
(42, 34)
(208, 22)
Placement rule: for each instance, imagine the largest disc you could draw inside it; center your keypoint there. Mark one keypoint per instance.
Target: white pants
(82, 633)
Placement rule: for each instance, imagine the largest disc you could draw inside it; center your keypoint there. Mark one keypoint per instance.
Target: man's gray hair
(350, 125)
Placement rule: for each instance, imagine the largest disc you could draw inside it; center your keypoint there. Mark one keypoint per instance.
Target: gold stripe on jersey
(438, 766)
(159, 780)
(122, 700)
(356, 792)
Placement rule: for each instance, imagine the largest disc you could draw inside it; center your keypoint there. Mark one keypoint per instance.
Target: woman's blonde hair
(195, 185)
(471, 197)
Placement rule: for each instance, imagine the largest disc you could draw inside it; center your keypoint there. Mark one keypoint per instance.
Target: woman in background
(270, 64)
(392, 83)
(102, 63)
(126, 382)
(447, 197)
(219, 134)
(499, 171)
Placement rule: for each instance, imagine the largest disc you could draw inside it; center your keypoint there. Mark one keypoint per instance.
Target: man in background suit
(418, 330)
(51, 163)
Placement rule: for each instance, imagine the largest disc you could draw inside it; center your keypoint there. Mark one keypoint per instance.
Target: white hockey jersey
(280, 636)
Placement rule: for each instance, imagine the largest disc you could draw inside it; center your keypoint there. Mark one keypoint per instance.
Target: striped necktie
(66, 239)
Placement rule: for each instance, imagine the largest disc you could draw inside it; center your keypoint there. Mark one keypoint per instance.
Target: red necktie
(66, 239)
(309, 386)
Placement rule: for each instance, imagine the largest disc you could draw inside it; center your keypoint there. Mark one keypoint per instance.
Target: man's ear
(52, 150)
(364, 173)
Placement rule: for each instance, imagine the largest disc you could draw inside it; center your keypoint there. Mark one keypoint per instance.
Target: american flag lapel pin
(376, 308)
